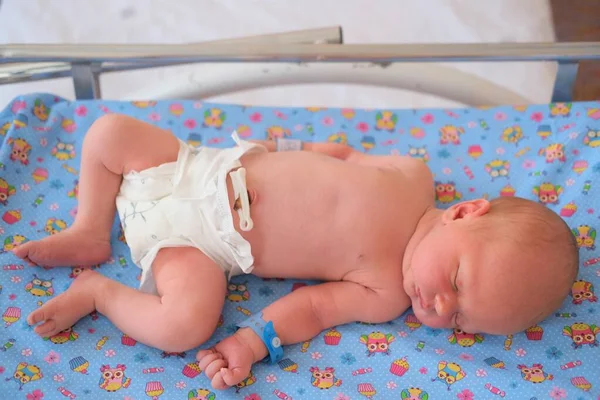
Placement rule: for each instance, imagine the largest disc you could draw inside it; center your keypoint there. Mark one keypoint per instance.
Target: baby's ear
(466, 209)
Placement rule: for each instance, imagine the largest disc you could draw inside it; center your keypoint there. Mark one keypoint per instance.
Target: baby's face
(457, 280)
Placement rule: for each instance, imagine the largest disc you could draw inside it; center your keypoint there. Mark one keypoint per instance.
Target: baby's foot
(66, 309)
(226, 364)
(73, 246)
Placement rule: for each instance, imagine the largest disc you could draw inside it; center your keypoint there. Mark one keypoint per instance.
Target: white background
(363, 21)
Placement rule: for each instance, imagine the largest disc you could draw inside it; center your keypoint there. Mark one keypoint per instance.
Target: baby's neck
(431, 217)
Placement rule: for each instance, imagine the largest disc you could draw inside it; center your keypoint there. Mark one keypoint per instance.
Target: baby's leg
(114, 145)
(184, 315)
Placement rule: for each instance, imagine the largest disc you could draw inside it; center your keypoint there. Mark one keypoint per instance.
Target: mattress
(549, 153)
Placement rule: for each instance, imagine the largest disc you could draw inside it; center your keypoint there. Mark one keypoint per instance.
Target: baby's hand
(228, 363)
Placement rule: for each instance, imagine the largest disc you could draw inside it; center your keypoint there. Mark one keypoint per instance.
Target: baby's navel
(251, 197)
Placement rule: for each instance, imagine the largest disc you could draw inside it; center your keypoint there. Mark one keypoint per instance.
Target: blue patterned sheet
(548, 153)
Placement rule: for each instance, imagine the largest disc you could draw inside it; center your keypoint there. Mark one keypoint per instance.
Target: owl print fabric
(548, 153)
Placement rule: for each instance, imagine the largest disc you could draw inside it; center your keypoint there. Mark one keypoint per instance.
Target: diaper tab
(238, 181)
(241, 143)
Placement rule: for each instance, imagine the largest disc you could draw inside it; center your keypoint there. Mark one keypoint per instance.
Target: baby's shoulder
(417, 183)
(418, 170)
(414, 170)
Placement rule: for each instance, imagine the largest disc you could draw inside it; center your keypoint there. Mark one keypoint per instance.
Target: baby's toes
(22, 250)
(46, 317)
(47, 329)
(44, 313)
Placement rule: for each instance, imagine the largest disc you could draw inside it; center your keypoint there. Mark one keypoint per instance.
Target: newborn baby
(366, 225)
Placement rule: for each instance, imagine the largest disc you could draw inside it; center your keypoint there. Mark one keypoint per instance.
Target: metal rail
(291, 52)
(27, 62)
(14, 68)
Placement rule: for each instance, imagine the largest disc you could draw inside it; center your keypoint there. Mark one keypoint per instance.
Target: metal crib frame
(85, 63)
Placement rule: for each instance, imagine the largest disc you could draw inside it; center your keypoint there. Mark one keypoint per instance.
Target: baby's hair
(526, 223)
(517, 209)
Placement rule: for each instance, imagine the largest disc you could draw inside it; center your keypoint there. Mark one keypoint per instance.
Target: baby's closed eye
(455, 280)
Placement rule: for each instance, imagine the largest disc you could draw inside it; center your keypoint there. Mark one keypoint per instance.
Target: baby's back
(323, 218)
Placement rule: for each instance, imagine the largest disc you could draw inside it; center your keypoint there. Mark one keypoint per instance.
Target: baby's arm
(297, 317)
(347, 153)
(331, 149)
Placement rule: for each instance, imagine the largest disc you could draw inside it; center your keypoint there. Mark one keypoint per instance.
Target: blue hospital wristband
(266, 332)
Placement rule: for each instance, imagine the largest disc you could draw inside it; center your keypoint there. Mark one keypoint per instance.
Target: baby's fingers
(203, 353)
(214, 367)
(217, 381)
(233, 376)
(207, 357)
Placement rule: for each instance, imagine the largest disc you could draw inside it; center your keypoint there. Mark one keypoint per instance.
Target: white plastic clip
(238, 180)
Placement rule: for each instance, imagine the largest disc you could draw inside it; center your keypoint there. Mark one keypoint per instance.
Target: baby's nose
(445, 305)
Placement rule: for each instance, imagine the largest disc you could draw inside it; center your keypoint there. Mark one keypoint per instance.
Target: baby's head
(495, 267)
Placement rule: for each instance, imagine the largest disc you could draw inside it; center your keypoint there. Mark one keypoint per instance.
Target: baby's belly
(321, 220)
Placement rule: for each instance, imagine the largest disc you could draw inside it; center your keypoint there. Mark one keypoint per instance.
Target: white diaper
(185, 203)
